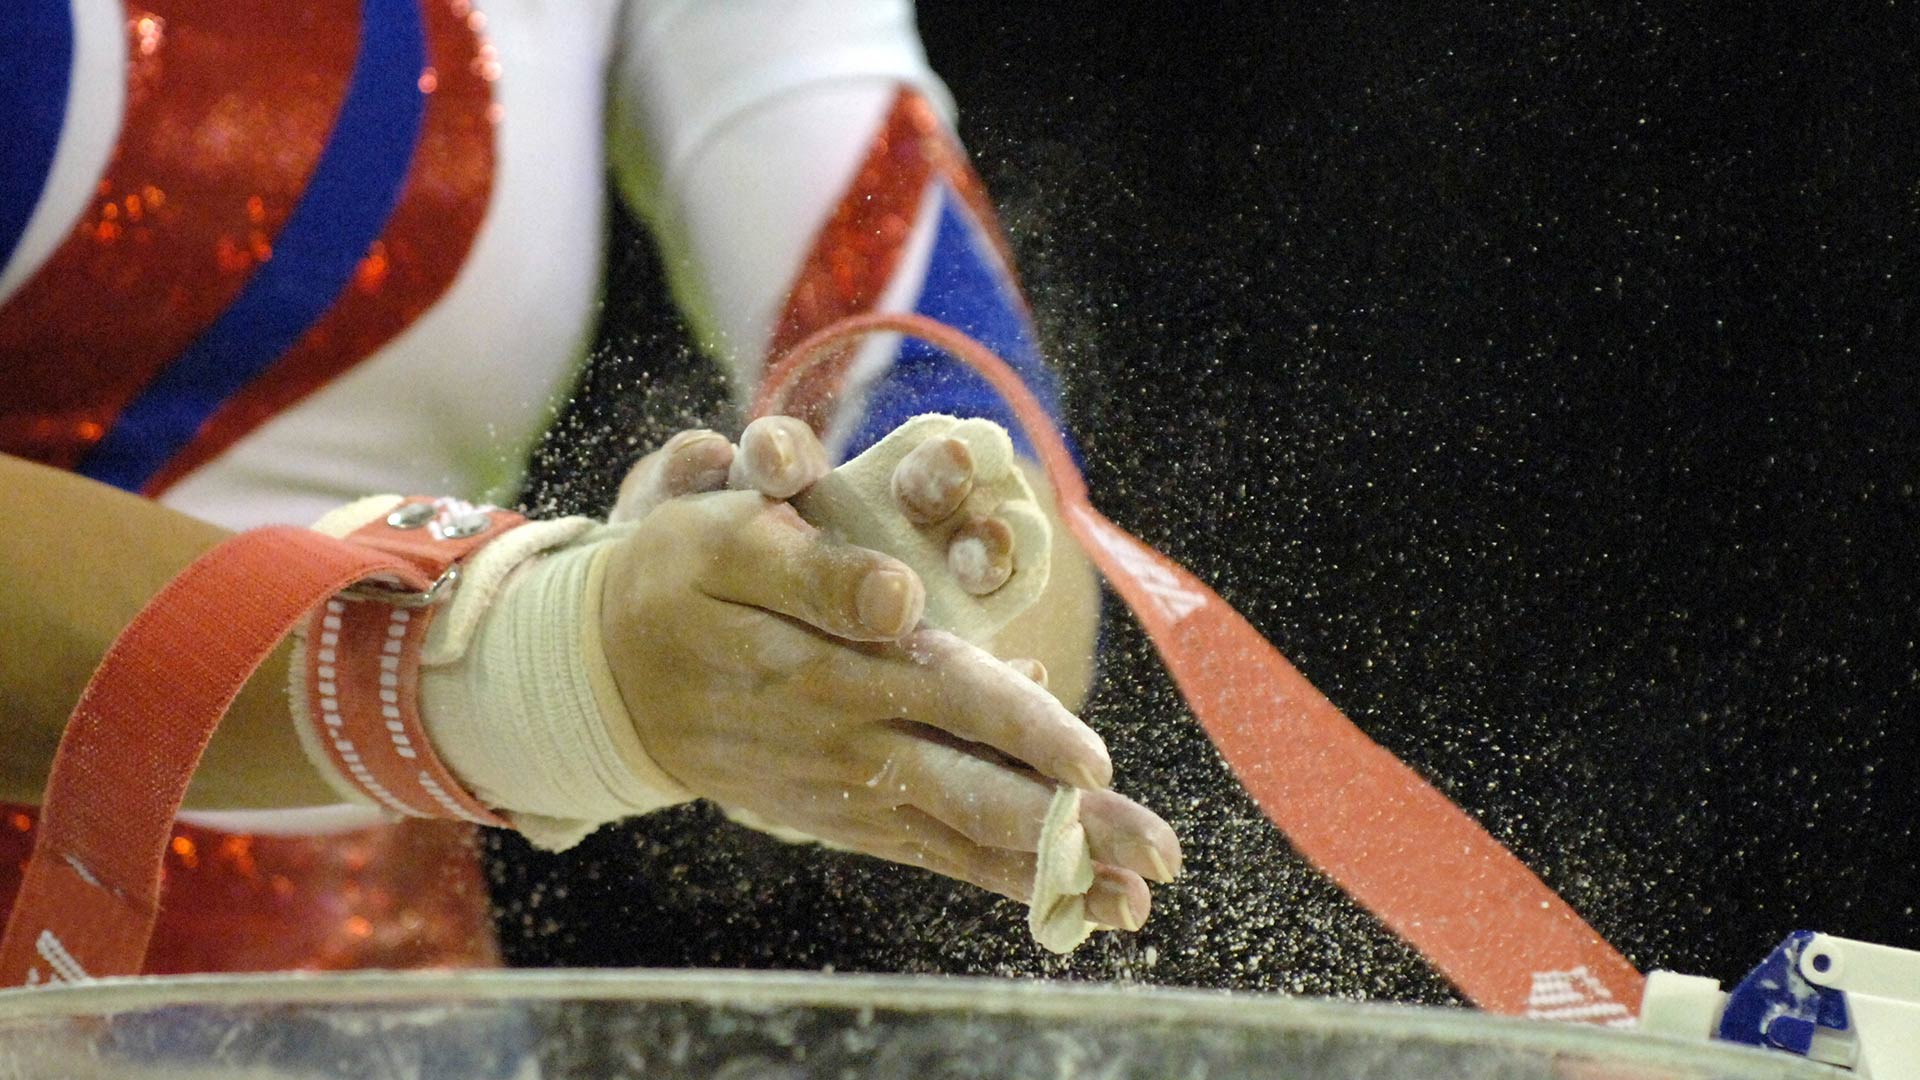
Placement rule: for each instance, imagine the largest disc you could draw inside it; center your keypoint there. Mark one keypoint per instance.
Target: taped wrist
(518, 697)
(499, 705)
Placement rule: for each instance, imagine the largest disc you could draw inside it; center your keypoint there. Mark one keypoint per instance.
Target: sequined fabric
(401, 896)
(229, 108)
(859, 248)
(415, 259)
(229, 105)
(223, 126)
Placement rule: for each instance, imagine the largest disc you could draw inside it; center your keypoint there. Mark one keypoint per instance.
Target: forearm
(81, 559)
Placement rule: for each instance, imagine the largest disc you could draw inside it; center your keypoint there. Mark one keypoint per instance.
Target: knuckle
(821, 676)
(651, 545)
(861, 780)
(639, 474)
(684, 439)
(829, 582)
(674, 517)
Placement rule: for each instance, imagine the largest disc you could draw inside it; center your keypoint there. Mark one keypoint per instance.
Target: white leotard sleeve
(736, 128)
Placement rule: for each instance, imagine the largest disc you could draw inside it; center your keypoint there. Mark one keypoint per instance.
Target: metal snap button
(411, 516)
(466, 525)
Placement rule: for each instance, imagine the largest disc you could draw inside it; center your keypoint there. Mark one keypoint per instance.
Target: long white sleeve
(736, 128)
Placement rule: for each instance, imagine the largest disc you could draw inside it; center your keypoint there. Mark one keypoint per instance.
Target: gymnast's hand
(779, 457)
(787, 676)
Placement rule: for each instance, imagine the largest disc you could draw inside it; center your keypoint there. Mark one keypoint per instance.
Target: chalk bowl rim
(1033, 1000)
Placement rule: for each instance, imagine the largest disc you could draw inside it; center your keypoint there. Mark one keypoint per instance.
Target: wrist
(500, 689)
(526, 710)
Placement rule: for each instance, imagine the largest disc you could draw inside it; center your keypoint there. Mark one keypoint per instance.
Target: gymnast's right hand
(740, 655)
(785, 677)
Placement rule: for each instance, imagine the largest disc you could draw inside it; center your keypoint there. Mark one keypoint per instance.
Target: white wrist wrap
(515, 691)
(517, 696)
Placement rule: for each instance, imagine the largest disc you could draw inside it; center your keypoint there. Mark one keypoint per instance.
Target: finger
(980, 554)
(779, 457)
(937, 679)
(933, 480)
(906, 835)
(996, 806)
(1124, 833)
(771, 559)
(1031, 668)
(1119, 898)
(690, 462)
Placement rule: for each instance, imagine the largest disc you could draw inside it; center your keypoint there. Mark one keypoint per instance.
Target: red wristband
(91, 891)
(361, 663)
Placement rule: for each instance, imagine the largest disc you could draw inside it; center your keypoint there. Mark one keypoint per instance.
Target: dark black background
(1540, 377)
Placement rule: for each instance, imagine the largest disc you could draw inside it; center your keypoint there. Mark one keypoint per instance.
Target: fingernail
(780, 446)
(1131, 917)
(958, 467)
(980, 554)
(712, 479)
(1034, 670)
(700, 464)
(1083, 777)
(1161, 871)
(887, 601)
(932, 479)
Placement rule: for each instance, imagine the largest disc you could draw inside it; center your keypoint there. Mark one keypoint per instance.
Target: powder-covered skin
(1002, 538)
(1537, 377)
(979, 563)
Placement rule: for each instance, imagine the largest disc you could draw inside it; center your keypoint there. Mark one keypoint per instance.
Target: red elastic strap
(87, 904)
(1371, 824)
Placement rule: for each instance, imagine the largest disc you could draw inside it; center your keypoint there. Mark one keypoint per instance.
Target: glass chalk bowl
(790, 1026)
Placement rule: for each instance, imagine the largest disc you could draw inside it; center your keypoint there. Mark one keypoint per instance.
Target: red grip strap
(1394, 843)
(87, 904)
(361, 664)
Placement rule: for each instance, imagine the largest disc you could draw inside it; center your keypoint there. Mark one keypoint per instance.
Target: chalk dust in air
(687, 888)
(1638, 607)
